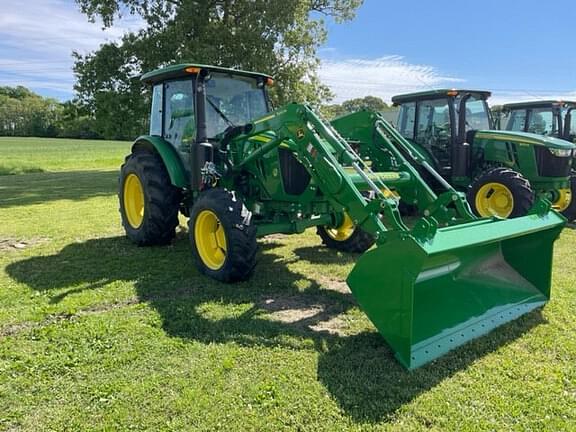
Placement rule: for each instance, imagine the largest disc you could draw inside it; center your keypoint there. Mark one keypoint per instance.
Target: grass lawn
(97, 334)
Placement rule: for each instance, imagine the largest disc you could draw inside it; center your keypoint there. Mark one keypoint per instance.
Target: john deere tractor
(502, 172)
(548, 117)
(219, 155)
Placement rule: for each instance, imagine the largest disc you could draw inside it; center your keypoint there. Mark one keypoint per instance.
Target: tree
(279, 37)
(371, 103)
(24, 113)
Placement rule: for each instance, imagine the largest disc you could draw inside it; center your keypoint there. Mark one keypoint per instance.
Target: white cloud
(37, 38)
(509, 96)
(383, 77)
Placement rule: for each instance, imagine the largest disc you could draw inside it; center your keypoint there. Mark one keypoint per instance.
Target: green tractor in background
(502, 172)
(218, 154)
(549, 118)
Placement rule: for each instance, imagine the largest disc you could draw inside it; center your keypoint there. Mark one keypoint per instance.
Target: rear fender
(172, 160)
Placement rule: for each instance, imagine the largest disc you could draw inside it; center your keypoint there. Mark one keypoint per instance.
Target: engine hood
(525, 137)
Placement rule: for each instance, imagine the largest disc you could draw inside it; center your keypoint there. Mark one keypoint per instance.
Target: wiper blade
(220, 113)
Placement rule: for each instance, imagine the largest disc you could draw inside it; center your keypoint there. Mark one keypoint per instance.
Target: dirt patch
(12, 244)
(289, 309)
(298, 312)
(334, 284)
(335, 325)
(272, 238)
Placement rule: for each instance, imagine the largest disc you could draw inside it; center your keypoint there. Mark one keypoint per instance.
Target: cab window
(179, 119)
(517, 121)
(156, 111)
(477, 117)
(433, 128)
(233, 100)
(406, 120)
(542, 122)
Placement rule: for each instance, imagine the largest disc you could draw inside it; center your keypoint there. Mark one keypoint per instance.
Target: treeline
(371, 103)
(25, 113)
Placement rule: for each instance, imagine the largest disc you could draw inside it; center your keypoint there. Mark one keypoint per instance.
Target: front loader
(502, 172)
(217, 153)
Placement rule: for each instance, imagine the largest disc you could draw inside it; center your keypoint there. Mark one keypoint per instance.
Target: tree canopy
(278, 37)
(371, 103)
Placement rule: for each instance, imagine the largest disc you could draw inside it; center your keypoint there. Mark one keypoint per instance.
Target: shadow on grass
(38, 188)
(322, 255)
(12, 170)
(359, 371)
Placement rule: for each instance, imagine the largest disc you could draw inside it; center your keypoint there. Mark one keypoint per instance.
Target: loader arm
(325, 154)
(377, 139)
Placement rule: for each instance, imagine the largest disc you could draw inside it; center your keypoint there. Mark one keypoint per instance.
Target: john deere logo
(300, 133)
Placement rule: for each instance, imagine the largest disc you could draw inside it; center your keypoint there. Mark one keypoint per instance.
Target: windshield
(543, 122)
(232, 100)
(477, 117)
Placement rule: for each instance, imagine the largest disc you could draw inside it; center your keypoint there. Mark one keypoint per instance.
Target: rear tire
(223, 236)
(148, 200)
(346, 238)
(570, 212)
(502, 192)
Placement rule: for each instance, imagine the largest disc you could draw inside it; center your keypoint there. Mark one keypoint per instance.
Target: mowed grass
(97, 334)
(32, 155)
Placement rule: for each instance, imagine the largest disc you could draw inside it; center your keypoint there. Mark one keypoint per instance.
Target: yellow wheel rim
(210, 239)
(133, 201)
(494, 199)
(564, 200)
(344, 231)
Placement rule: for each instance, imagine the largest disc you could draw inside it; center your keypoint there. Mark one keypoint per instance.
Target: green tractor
(502, 172)
(549, 118)
(218, 154)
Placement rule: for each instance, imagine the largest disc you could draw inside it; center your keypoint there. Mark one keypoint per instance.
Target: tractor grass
(97, 334)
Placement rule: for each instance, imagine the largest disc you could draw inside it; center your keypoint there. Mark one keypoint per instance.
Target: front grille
(550, 165)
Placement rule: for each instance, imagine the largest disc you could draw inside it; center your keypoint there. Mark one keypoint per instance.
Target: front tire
(148, 201)
(346, 237)
(223, 236)
(501, 192)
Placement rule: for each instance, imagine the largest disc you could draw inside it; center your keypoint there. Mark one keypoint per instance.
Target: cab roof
(538, 104)
(435, 94)
(186, 69)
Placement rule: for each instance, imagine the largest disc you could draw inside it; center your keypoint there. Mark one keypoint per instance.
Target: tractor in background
(502, 172)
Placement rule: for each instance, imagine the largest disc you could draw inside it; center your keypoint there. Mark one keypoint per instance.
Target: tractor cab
(197, 104)
(549, 118)
(440, 123)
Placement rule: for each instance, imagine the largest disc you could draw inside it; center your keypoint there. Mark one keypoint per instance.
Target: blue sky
(518, 49)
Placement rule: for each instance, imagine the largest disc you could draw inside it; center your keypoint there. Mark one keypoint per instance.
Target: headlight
(561, 152)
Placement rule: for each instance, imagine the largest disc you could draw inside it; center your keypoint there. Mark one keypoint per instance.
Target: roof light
(452, 93)
(269, 81)
(192, 70)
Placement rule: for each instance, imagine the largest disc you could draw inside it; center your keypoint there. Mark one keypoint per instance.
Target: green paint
(450, 272)
(172, 160)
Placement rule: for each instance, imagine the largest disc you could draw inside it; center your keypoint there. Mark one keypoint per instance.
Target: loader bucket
(426, 299)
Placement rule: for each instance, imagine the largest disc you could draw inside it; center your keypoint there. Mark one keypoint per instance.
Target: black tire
(359, 242)
(239, 232)
(570, 212)
(519, 187)
(161, 200)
